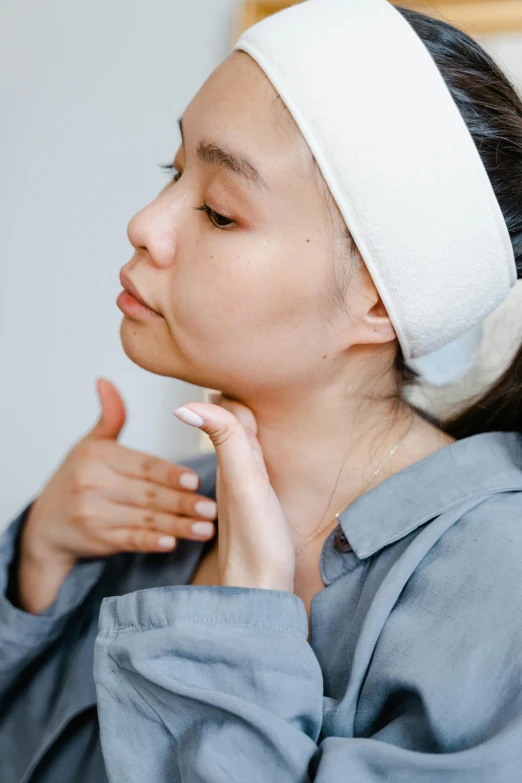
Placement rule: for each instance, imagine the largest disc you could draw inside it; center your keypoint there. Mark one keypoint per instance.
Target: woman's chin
(143, 349)
(156, 355)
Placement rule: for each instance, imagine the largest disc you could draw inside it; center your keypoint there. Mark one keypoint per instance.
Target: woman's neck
(320, 449)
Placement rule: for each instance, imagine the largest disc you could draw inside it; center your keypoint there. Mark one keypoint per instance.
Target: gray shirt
(413, 673)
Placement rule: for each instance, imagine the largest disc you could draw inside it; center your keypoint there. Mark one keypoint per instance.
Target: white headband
(399, 160)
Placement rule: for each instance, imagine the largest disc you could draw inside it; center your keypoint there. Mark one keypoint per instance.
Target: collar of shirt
(477, 466)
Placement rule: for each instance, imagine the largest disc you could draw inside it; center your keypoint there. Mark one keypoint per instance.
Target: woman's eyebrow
(210, 153)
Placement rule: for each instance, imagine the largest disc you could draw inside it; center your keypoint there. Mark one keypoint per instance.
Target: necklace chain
(359, 492)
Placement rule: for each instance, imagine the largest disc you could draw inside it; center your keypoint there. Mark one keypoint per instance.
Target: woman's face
(237, 253)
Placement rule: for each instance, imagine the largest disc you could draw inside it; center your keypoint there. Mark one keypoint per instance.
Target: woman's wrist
(41, 571)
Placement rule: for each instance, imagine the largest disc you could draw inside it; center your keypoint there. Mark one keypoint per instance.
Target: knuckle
(149, 519)
(83, 511)
(151, 496)
(222, 434)
(94, 539)
(147, 465)
(80, 482)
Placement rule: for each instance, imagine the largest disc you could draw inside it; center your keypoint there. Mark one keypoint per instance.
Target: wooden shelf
(474, 16)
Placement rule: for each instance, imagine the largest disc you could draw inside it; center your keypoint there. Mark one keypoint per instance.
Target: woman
(378, 643)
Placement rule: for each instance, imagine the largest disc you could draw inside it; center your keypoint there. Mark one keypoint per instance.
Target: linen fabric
(413, 671)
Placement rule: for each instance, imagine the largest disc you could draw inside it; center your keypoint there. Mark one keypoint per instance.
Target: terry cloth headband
(399, 161)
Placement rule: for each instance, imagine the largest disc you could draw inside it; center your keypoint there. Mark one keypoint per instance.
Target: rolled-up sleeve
(205, 684)
(200, 683)
(23, 636)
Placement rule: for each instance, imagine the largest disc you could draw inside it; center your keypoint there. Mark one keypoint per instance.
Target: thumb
(113, 414)
(238, 460)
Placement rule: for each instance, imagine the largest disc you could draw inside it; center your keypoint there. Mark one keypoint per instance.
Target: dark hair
(492, 110)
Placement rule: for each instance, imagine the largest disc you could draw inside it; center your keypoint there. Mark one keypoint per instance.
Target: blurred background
(90, 94)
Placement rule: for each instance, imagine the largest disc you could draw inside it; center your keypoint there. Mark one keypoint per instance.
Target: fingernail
(203, 528)
(189, 417)
(206, 508)
(166, 542)
(189, 480)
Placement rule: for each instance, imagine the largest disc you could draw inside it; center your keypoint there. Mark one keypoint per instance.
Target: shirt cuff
(249, 607)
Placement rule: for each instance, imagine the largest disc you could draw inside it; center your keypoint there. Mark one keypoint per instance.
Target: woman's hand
(255, 545)
(104, 499)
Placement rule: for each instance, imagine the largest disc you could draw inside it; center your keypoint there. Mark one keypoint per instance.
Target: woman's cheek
(205, 299)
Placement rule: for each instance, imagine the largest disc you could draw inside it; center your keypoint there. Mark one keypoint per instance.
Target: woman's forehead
(238, 108)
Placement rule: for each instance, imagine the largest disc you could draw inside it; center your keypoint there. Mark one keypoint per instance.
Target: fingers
(108, 529)
(119, 511)
(147, 467)
(240, 411)
(112, 417)
(109, 516)
(235, 442)
(137, 540)
(150, 497)
(142, 540)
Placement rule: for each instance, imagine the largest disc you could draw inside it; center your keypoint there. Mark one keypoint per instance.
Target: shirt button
(340, 542)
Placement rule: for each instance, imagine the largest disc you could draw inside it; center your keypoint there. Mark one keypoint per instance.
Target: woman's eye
(220, 220)
(217, 220)
(171, 168)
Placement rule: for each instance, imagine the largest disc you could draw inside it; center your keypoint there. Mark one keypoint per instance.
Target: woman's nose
(152, 229)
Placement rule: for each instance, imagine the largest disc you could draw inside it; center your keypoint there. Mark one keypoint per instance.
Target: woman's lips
(130, 300)
(129, 305)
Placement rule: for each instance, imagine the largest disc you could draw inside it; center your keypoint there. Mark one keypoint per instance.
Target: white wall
(90, 93)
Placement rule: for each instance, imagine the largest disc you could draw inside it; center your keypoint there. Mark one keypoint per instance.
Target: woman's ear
(374, 324)
(378, 320)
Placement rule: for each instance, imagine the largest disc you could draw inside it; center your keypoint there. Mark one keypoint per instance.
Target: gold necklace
(360, 491)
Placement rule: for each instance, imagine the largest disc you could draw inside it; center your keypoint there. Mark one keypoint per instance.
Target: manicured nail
(206, 508)
(166, 542)
(189, 417)
(189, 480)
(203, 528)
